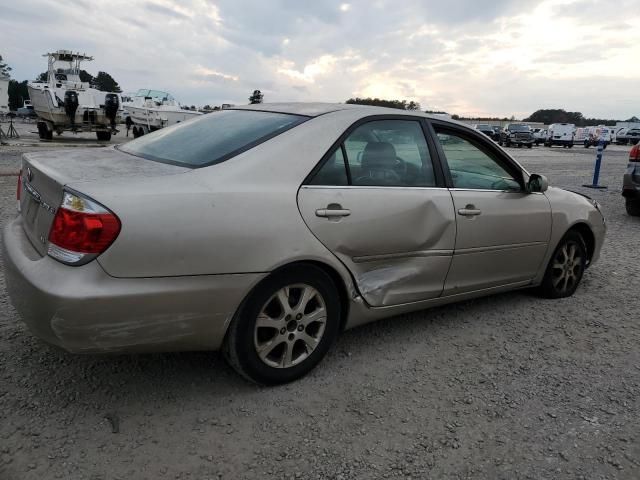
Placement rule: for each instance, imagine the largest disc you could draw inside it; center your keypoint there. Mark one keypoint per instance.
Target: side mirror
(537, 183)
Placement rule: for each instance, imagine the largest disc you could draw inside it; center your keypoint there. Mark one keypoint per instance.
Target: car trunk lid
(45, 175)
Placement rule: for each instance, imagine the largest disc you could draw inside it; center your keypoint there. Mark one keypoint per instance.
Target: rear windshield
(212, 138)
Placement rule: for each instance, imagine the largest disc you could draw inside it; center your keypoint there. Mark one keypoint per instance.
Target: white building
(4, 94)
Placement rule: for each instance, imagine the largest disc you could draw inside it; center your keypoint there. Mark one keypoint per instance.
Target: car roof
(317, 109)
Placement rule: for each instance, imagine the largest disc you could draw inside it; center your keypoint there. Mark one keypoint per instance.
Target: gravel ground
(504, 387)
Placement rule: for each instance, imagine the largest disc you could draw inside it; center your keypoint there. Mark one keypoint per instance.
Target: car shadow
(137, 381)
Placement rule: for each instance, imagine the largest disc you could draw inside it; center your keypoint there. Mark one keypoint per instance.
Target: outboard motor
(71, 105)
(111, 105)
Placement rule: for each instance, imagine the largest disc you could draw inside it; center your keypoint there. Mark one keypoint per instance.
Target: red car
(631, 182)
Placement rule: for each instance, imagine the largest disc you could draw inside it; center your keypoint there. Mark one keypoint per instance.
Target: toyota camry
(264, 231)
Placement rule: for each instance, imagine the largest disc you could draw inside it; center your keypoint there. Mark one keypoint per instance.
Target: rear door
(378, 202)
(503, 232)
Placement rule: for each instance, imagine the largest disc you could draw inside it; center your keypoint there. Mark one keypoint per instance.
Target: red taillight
(634, 154)
(81, 229)
(84, 232)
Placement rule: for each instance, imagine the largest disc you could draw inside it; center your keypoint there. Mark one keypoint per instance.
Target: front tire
(103, 136)
(285, 327)
(566, 267)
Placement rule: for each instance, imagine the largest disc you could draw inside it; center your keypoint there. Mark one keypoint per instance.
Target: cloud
(163, 10)
(501, 57)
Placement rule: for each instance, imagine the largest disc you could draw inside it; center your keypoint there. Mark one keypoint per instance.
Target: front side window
(211, 138)
(387, 153)
(471, 167)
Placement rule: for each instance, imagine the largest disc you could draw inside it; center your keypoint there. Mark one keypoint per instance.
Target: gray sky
(471, 57)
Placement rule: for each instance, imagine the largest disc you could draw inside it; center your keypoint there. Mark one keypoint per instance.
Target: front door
(503, 231)
(378, 204)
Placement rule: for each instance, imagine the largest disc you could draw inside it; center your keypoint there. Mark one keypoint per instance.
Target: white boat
(151, 110)
(64, 102)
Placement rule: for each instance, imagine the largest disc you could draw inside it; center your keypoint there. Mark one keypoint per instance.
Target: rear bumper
(82, 309)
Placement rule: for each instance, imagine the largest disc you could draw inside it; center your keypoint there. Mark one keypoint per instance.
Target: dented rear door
(397, 241)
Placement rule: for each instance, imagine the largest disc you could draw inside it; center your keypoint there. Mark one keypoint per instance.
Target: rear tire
(103, 136)
(270, 343)
(633, 207)
(566, 267)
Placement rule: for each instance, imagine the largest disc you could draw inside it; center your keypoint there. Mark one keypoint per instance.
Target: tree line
(380, 102)
(558, 115)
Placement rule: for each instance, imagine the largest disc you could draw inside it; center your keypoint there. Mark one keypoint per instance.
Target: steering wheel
(400, 167)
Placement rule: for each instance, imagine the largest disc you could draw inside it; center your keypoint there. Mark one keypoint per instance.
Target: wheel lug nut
(288, 317)
(283, 331)
(291, 337)
(300, 328)
(299, 316)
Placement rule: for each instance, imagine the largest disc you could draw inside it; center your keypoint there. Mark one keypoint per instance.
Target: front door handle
(333, 211)
(469, 211)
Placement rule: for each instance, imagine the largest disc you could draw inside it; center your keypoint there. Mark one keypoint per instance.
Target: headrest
(378, 155)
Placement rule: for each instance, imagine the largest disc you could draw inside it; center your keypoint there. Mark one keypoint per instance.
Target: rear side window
(212, 138)
(386, 153)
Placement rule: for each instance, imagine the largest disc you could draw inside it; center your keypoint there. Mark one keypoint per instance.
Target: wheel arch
(587, 235)
(330, 271)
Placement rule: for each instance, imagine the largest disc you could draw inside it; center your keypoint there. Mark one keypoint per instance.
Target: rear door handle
(333, 212)
(469, 211)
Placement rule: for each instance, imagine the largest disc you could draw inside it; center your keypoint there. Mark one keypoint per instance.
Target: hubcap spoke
(266, 348)
(318, 315)
(307, 294)
(264, 321)
(283, 298)
(287, 357)
(557, 280)
(310, 342)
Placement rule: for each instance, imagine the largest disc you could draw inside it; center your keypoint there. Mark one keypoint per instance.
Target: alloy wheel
(567, 267)
(290, 326)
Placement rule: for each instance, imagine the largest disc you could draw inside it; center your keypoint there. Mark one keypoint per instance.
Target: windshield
(212, 138)
(519, 128)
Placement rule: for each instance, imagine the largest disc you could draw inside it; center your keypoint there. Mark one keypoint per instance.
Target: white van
(561, 134)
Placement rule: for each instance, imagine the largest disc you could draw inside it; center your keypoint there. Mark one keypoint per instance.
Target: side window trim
(491, 151)
(339, 144)
(345, 159)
